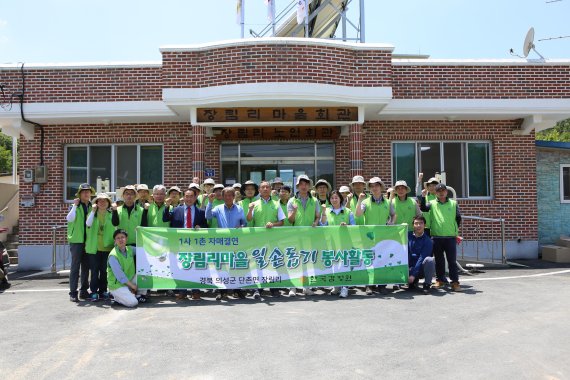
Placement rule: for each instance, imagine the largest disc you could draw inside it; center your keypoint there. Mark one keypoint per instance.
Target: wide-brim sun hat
(324, 182)
(344, 189)
(376, 180)
(430, 181)
(218, 186)
(304, 177)
(174, 188)
(250, 183)
(103, 196)
(402, 183)
(357, 179)
(85, 186)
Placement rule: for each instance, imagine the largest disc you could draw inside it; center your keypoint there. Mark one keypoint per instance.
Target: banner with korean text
(279, 257)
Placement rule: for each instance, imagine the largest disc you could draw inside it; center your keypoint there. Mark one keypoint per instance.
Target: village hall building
(254, 109)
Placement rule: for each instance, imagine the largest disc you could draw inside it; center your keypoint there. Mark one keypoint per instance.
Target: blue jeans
(79, 261)
(449, 246)
(427, 271)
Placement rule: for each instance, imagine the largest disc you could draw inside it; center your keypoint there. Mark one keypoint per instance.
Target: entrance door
(267, 170)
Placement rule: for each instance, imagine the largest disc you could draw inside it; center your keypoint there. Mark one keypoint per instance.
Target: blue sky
(128, 30)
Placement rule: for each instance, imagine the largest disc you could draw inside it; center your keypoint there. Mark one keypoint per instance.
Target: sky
(133, 30)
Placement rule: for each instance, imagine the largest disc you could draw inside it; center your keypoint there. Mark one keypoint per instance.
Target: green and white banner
(280, 257)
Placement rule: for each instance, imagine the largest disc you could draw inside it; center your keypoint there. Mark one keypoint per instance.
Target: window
(121, 164)
(564, 183)
(257, 162)
(466, 166)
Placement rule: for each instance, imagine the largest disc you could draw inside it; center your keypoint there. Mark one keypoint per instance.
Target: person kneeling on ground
(121, 272)
(420, 260)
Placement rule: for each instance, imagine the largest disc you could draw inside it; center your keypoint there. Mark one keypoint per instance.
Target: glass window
(479, 179)
(230, 173)
(100, 159)
(325, 150)
(325, 170)
(151, 165)
(76, 169)
(86, 163)
(126, 165)
(452, 162)
(229, 150)
(404, 163)
(467, 165)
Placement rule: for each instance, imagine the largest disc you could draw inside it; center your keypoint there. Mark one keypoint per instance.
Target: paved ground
(508, 323)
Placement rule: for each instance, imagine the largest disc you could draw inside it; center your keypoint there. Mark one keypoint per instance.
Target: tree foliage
(561, 132)
(5, 154)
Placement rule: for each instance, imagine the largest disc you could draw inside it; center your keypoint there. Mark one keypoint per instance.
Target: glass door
(267, 170)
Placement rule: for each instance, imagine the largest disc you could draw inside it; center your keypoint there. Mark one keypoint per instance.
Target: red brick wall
(277, 63)
(514, 166)
(50, 209)
(86, 85)
(495, 82)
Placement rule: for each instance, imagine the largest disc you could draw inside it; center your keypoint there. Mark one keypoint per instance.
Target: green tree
(5, 154)
(560, 132)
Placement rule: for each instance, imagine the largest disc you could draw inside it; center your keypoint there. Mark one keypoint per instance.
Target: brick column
(198, 150)
(355, 151)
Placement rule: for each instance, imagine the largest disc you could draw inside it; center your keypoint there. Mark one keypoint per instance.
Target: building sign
(286, 133)
(210, 173)
(276, 114)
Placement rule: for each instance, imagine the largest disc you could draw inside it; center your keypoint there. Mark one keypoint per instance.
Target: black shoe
(219, 297)
(84, 295)
(382, 289)
(5, 285)
(275, 293)
(239, 294)
(142, 299)
(73, 298)
(426, 289)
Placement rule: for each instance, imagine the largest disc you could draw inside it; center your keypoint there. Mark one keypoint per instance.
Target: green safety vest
(154, 216)
(127, 265)
(335, 220)
(130, 223)
(305, 216)
(443, 221)
(213, 223)
(376, 213)
(405, 211)
(244, 203)
(430, 197)
(98, 240)
(265, 212)
(359, 220)
(286, 222)
(76, 229)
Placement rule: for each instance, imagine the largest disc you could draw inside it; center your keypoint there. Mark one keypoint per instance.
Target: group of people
(102, 233)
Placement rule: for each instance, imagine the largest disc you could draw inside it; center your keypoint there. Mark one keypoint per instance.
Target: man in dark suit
(186, 215)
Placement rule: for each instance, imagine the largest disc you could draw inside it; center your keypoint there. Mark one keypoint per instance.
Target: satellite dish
(528, 45)
(528, 42)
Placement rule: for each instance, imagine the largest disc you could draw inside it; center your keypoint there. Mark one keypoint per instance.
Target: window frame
(562, 167)
(464, 164)
(113, 162)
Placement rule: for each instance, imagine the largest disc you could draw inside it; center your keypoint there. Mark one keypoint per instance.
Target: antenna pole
(306, 18)
(362, 22)
(242, 18)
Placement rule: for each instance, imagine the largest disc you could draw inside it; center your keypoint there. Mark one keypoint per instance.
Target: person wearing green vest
(207, 186)
(429, 185)
(344, 191)
(406, 208)
(143, 195)
(99, 243)
(249, 192)
(303, 210)
(216, 200)
(237, 187)
(154, 209)
(173, 194)
(322, 189)
(358, 186)
(284, 195)
(129, 215)
(267, 213)
(445, 222)
(121, 272)
(376, 210)
(337, 215)
(276, 186)
(76, 237)
(196, 187)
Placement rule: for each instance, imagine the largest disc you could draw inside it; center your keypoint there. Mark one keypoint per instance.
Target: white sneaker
(334, 291)
(256, 295)
(343, 292)
(308, 292)
(292, 292)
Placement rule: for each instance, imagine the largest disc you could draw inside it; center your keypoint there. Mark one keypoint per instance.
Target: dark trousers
(98, 266)
(79, 261)
(449, 246)
(5, 279)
